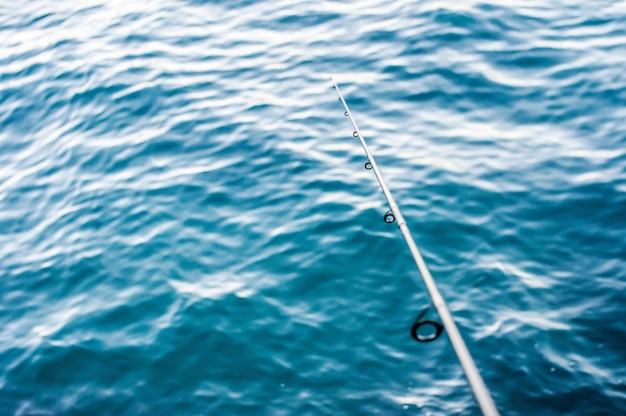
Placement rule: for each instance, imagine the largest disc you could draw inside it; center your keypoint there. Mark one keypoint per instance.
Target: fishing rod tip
(332, 80)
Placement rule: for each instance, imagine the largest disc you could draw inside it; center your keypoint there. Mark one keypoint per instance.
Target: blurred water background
(186, 226)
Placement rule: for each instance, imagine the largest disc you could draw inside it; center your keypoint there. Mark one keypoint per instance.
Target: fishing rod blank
(476, 382)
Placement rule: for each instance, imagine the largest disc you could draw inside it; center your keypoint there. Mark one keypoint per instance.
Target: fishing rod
(482, 395)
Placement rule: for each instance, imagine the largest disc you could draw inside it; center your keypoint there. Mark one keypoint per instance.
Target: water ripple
(186, 226)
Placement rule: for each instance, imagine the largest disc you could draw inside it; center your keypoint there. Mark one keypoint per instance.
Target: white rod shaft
(469, 367)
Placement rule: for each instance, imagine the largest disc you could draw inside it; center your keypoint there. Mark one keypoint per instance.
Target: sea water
(186, 226)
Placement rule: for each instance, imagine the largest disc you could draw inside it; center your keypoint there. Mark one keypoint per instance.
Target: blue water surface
(186, 226)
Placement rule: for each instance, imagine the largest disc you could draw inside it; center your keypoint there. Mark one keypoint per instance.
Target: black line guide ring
(421, 322)
(426, 338)
(368, 165)
(389, 217)
(355, 134)
(345, 114)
